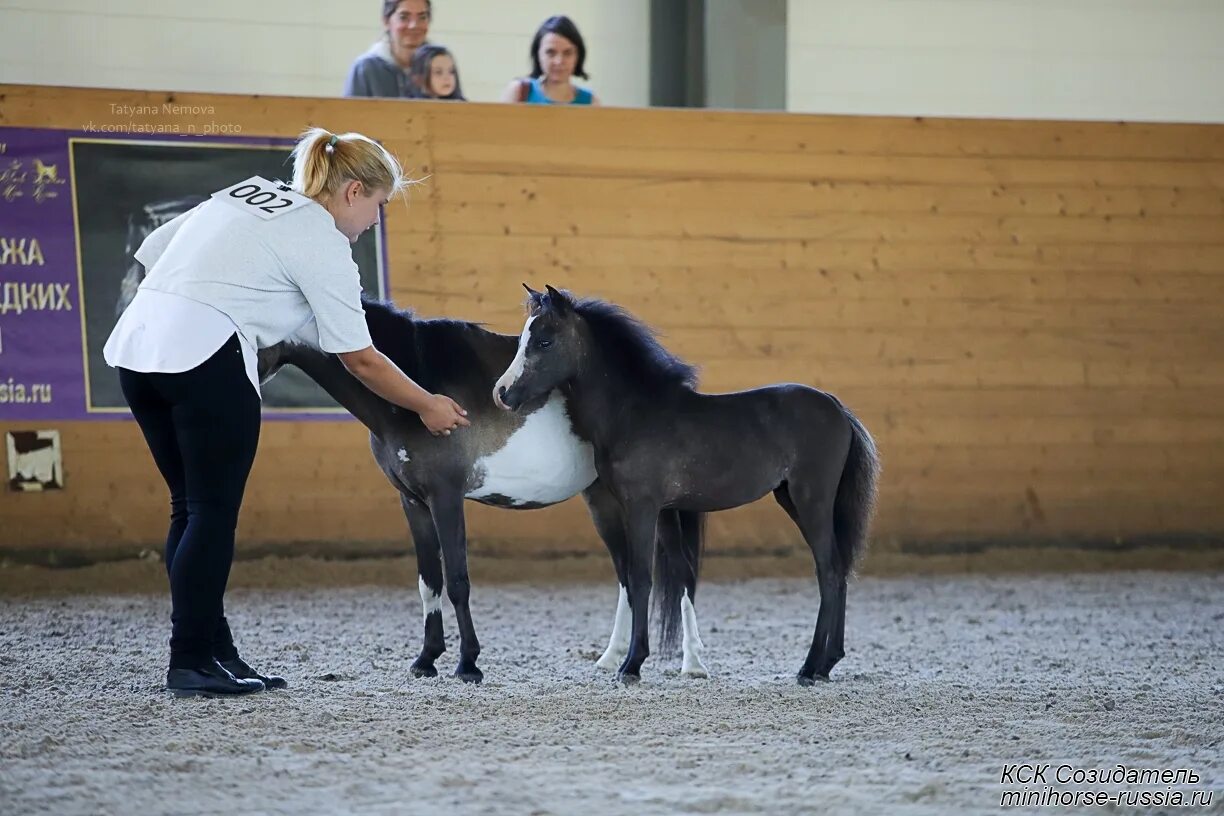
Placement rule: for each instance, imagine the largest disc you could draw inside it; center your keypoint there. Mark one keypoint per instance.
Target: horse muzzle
(508, 399)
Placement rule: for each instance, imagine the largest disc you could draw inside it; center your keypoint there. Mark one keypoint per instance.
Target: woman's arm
(440, 413)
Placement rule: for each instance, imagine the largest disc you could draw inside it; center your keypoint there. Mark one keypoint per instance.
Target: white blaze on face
(692, 645)
(618, 644)
(430, 601)
(515, 370)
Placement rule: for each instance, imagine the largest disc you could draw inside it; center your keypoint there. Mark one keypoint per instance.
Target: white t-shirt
(139, 340)
(268, 278)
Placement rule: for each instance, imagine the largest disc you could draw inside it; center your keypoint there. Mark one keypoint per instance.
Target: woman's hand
(442, 415)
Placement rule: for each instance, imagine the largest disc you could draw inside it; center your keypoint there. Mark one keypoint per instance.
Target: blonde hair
(323, 162)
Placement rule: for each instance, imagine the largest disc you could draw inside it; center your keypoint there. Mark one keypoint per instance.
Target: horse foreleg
(618, 642)
(606, 515)
(452, 535)
(429, 572)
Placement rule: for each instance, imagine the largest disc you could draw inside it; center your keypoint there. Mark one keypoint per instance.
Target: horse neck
(603, 401)
(493, 349)
(326, 369)
(463, 360)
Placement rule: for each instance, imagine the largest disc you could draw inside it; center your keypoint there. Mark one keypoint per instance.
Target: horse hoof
(629, 679)
(810, 679)
(419, 670)
(610, 661)
(471, 675)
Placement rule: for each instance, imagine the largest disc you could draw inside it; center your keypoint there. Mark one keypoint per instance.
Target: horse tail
(856, 493)
(679, 539)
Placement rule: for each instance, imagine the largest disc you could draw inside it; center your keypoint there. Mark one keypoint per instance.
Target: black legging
(202, 427)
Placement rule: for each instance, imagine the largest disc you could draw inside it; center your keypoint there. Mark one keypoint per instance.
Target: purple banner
(41, 374)
(74, 208)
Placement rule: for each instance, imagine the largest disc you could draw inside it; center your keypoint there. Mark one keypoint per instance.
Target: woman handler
(249, 267)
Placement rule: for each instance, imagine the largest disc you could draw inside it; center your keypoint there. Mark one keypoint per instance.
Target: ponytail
(323, 162)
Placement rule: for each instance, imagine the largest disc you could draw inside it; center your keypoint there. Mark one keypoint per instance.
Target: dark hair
(389, 7)
(562, 26)
(422, 59)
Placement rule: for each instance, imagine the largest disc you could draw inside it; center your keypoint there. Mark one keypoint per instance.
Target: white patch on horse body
(618, 644)
(691, 644)
(543, 462)
(430, 601)
(515, 370)
(403, 455)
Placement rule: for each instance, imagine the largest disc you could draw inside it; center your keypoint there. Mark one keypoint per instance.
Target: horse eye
(545, 343)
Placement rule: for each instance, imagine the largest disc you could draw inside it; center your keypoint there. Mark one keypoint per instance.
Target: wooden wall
(1027, 314)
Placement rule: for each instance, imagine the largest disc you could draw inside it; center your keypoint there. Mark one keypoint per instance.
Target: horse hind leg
(680, 537)
(691, 641)
(812, 511)
(429, 571)
(641, 519)
(448, 519)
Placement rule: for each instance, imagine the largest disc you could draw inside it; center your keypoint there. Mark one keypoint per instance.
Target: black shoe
(209, 680)
(241, 670)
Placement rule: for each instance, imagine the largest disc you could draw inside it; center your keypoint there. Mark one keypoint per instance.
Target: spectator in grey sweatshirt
(384, 69)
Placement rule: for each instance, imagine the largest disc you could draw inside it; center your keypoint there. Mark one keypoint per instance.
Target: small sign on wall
(34, 460)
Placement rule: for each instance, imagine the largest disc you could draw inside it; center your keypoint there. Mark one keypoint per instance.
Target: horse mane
(631, 345)
(431, 351)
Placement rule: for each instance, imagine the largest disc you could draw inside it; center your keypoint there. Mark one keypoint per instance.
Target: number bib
(261, 197)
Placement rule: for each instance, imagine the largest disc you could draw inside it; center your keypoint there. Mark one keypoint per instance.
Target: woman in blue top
(557, 55)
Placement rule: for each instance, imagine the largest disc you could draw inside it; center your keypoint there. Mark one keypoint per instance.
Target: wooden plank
(40, 106)
(499, 219)
(908, 456)
(1119, 516)
(582, 160)
(575, 254)
(805, 198)
(840, 375)
(715, 342)
(464, 275)
(953, 404)
(715, 131)
(1044, 494)
(503, 311)
(1092, 432)
(1054, 485)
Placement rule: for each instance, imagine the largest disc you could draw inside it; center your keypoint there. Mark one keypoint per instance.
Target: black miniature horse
(516, 461)
(661, 446)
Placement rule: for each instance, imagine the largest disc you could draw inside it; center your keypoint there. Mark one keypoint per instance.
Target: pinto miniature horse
(661, 447)
(516, 461)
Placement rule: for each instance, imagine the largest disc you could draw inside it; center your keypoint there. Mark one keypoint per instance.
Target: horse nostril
(501, 392)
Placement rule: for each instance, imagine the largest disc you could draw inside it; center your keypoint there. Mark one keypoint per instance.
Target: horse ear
(558, 301)
(536, 300)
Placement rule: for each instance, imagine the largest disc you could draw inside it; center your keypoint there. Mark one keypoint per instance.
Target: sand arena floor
(946, 680)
